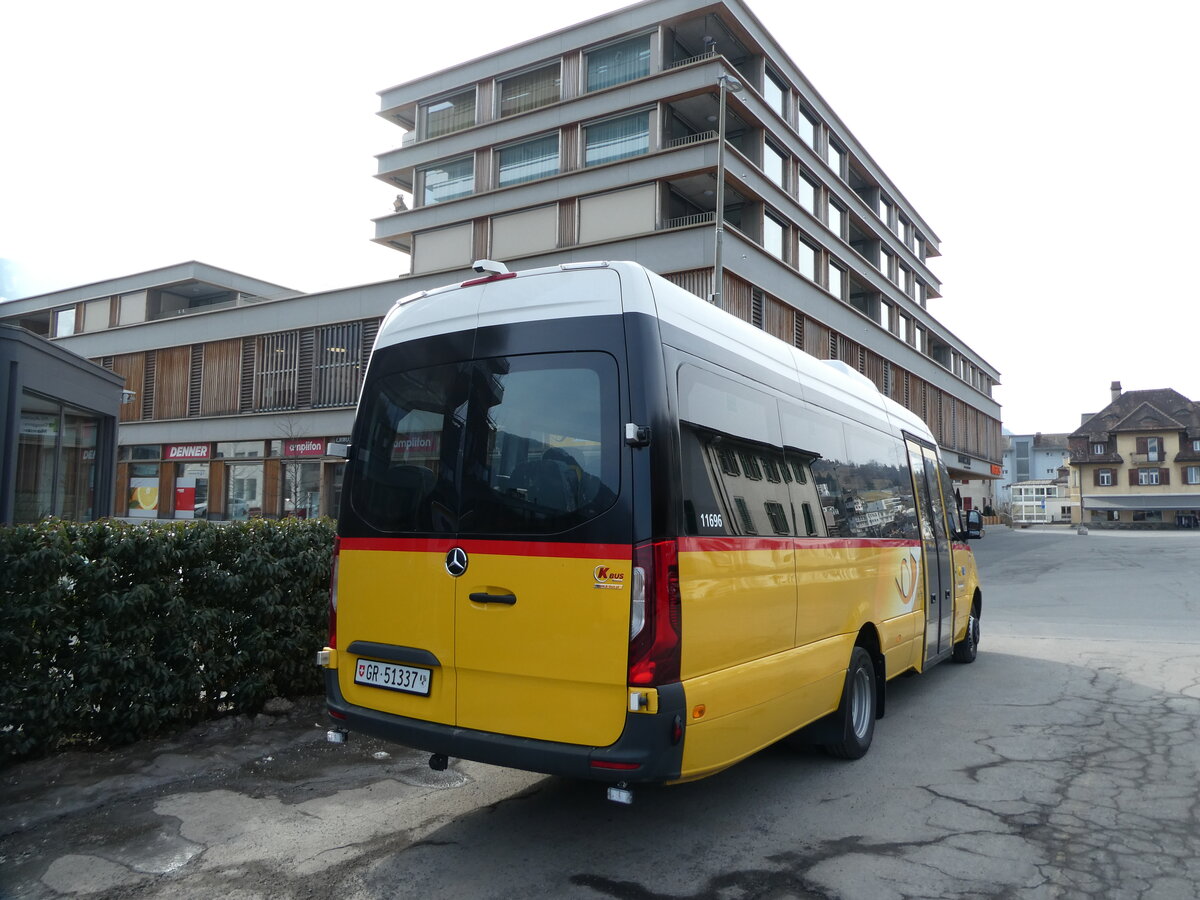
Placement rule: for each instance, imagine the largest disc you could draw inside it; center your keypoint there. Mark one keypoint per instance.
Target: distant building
(1138, 461)
(1042, 501)
(1030, 457)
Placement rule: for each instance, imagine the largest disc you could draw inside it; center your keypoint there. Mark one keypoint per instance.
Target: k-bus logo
(607, 578)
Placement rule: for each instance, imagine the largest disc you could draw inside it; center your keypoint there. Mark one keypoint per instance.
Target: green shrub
(112, 632)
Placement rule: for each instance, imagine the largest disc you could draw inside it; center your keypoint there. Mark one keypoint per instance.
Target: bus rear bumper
(647, 741)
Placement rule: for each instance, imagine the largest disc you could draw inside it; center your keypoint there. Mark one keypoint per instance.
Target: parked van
(594, 526)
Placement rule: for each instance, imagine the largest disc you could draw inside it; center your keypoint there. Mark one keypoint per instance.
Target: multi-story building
(235, 385)
(1030, 457)
(1138, 461)
(603, 140)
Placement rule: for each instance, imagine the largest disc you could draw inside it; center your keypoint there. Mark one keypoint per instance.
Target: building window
(806, 194)
(885, 211)
(1153, 450)
(774, 232)
(64, 322)
(775, 92)
(1098, 449)
(57, 450)
(446, 114)
(337, 365)
(806, 261)
(1191, 475)
(618, 138)
(775, 165)
(1196, 446)
(447, 181)
(275, 371)
(836, 219)
(1147, 476)
(528, 160)
(1104, 478)
(618, 63)
(529, 90)
(807, 127)
(885, 264)
(837, 281)
(835, 156)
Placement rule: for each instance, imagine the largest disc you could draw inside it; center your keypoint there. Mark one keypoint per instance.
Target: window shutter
(1142, 446)
(1096, 477)
(1164, 476)
(1133, 477)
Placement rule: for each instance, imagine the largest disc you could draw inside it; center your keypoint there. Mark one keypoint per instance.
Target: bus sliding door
(935, 548)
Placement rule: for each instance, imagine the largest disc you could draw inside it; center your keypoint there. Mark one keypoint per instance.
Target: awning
(1148, 502)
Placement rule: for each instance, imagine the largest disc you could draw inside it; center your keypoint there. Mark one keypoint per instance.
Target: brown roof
(1153, 410)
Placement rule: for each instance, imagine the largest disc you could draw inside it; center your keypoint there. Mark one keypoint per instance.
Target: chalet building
(1138, 461)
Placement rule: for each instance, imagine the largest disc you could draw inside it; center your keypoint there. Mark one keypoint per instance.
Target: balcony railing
(688, 139)
(1157, 457)
(684, 221)
(711, 54)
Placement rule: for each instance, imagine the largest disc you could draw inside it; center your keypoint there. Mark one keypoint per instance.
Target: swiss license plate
(407, 679)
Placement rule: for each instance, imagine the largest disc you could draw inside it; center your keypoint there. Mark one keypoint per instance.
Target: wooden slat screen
(172, 368)
(222, 377)
(131, 367)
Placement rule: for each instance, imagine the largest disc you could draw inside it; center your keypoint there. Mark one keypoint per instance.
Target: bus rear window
(508, 445)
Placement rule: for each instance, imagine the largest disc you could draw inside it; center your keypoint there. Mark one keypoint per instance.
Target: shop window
(56, 461)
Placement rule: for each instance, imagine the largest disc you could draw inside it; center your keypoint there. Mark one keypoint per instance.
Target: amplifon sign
(304, 447)
(186, 451)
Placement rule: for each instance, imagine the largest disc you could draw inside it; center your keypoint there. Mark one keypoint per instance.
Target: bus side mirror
(336, 448)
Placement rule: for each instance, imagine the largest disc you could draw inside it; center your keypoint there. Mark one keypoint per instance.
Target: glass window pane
(807, 128)
(773, 236)
(529, 90)
(774, 165)
(448, 114)
(806, 193)
(448, 180)
(618, 63)
(775, 93)
(836, 281)
(806, 261)
(532, 159)
(835, 216)
(617, 138)
(64, 322)
(835, 157)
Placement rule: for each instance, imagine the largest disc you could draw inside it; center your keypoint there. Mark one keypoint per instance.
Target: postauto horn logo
(608, 579)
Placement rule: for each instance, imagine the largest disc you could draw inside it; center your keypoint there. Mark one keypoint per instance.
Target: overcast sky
(1051, 145)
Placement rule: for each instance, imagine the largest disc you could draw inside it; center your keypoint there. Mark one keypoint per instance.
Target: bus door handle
(507, 599)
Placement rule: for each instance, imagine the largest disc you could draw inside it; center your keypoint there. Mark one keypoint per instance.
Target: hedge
(113, 632)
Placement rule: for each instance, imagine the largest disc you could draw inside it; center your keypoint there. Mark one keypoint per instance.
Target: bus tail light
(333, 593)
(655, 615)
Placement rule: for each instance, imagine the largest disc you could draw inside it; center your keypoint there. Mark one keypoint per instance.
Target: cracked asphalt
(1062, 764)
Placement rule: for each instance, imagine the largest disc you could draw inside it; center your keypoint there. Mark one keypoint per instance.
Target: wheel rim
(860, 702)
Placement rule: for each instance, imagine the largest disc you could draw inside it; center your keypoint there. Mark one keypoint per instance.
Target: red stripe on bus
(552, 549)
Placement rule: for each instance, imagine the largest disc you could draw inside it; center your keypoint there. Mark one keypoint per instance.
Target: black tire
(856, 712)
(967, 649)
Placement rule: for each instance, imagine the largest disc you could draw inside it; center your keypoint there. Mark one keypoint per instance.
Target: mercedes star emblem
(456, 561)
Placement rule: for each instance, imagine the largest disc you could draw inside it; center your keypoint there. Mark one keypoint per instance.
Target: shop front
(230, 480)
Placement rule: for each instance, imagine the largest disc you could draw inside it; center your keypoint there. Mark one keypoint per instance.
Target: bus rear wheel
(856, 712)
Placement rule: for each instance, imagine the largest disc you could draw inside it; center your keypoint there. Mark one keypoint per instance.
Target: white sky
(1051, 145)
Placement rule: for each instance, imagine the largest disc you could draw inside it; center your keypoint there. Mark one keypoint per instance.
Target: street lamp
(727, 83)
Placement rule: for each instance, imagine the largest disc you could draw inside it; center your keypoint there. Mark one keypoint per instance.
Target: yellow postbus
(593, 526)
